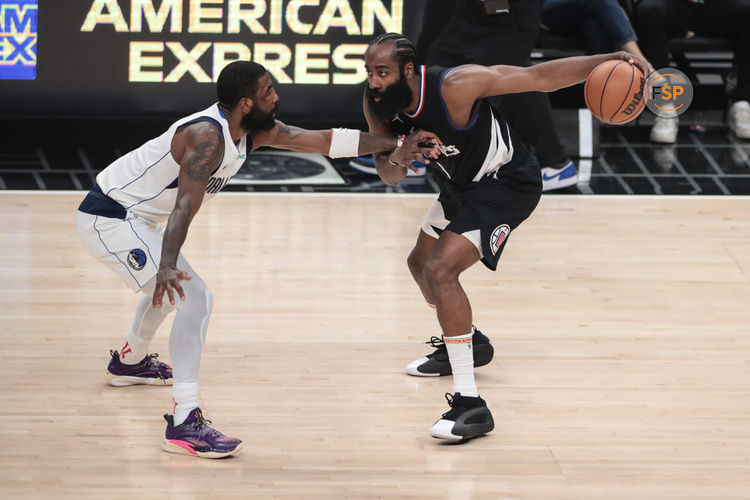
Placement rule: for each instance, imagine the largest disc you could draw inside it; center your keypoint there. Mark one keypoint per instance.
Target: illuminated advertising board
(97, 57)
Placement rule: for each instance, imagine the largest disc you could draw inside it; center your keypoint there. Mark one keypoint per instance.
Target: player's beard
(396, 97)
(257, 119)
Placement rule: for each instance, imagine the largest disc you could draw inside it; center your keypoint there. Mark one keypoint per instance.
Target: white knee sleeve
(189, 329)
(147, 319)
(145, 323)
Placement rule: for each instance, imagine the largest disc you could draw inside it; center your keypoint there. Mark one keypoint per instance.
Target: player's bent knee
(437, 272)
(195, 296)
(198, 304)
(415, 264)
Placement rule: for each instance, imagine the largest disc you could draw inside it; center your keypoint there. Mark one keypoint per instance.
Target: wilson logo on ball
(637, 101)
(614, 92)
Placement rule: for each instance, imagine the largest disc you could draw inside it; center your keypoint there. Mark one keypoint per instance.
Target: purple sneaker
(149, 371)
(195, 437)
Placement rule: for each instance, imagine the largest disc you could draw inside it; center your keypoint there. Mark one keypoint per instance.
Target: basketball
(614, 92)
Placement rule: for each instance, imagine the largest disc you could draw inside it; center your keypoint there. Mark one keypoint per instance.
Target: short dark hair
(237, 80)
(405, 51)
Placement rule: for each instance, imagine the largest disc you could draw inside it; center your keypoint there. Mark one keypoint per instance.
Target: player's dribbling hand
(639, 63)
(419, 146)
(168, 280)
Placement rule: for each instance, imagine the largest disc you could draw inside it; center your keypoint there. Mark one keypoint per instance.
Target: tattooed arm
(198, 148)
(293, 138)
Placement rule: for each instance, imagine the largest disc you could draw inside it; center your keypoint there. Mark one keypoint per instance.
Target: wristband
(344, 143)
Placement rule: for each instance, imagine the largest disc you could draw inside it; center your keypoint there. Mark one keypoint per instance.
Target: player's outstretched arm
(336, 143)
(198, 148)
(465, 84)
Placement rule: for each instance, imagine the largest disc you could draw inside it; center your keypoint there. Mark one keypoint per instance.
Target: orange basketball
(614, 92)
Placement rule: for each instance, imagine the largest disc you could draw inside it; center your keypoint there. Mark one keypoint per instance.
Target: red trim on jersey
(422, 70)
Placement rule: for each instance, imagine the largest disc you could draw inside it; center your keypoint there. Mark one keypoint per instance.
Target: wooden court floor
(622, 369)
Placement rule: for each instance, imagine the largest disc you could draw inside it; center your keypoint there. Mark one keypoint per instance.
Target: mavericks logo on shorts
(137, 259)
(498, 237)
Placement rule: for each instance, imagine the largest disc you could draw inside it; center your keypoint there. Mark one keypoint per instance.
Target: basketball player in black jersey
(490, 184)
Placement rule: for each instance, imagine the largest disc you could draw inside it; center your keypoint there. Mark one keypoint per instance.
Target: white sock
(185, 396)
(134, 349)
(146, 322)
(461, 356)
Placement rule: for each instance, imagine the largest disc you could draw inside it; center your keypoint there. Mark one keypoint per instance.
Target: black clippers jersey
(469, 153)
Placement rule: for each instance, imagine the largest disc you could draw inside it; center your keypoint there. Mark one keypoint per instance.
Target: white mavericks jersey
(144, 181)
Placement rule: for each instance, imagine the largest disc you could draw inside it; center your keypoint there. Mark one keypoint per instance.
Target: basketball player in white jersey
(490, 183)
(120, 222)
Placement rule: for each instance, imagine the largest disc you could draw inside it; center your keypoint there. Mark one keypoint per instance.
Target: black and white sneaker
(437, 364)
(468, 418)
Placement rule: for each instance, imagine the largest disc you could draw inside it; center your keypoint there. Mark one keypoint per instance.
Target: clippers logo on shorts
(18, 34)
(137, 259)
(498, 237)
